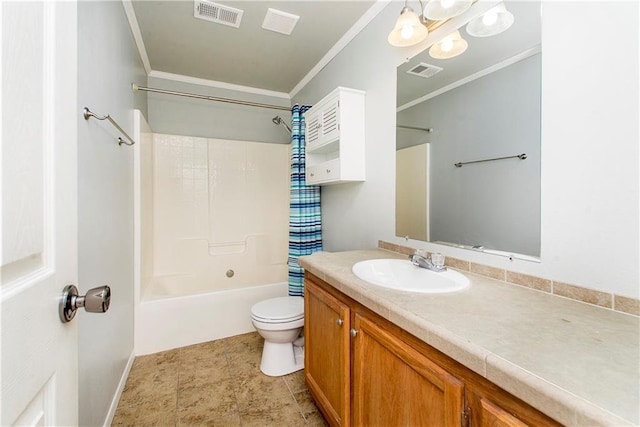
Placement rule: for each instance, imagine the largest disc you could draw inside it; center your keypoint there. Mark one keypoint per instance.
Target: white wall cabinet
(334, 135)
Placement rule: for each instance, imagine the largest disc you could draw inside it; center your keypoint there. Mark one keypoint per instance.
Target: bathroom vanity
(375, 356)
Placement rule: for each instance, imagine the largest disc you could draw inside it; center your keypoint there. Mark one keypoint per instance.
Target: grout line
(232, 377)
(295, 401)
(613, 302)
(180, 365)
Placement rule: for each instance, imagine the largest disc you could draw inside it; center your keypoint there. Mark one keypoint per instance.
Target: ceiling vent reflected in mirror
(424, 70)
(218, 13)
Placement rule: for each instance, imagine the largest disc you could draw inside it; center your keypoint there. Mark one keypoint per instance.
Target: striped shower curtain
(305, 221)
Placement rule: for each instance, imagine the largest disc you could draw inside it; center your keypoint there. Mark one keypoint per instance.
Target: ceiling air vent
(424, 70)
(279, 21)
(217, 13)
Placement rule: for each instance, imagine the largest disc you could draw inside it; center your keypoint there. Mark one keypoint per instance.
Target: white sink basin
(402, 275)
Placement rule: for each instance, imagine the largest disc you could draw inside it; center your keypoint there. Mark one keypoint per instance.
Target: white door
(39, 372)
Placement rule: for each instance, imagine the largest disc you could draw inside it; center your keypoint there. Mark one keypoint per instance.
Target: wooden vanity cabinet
(393, 384)
(488, 414)
(327, 367)
(364, 371)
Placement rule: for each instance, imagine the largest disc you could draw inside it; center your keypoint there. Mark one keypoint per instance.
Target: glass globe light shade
(450, 46)
(408, 29)
(492, 22)
(437, 10)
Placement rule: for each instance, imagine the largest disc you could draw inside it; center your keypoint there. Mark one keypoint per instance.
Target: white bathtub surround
(211, 235)
(218, 206)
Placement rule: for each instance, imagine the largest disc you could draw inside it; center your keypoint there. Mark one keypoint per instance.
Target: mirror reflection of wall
(494, 205)
(412, 216)
(491, 204)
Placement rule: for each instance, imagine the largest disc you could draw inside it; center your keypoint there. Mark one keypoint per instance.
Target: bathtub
(171, 315)
(211, 235)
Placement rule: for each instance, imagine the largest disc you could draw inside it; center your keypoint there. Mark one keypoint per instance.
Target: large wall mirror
(468, 142)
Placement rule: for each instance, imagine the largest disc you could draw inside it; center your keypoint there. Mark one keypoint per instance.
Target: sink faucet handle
(421, 252)
(437, 259)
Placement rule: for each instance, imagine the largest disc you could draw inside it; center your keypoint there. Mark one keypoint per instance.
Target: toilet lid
(282, 308)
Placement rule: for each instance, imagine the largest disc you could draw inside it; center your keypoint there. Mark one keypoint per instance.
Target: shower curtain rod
(135, 87)
(429, 130)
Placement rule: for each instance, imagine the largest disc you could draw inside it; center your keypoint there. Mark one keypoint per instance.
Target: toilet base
(281, 359)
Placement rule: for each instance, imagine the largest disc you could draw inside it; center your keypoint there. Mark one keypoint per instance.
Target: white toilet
(279, 321)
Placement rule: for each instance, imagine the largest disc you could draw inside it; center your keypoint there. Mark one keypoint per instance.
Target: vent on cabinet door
(218, 13)
(424, 70)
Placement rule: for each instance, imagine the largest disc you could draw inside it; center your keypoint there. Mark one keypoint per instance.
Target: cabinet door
(322, 123)
(395, 385)
(492, 415)
(330, 127)
(312, 128)
(327, 353)
(500, 410)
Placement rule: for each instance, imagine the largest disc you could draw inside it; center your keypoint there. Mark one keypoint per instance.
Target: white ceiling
(176, 42)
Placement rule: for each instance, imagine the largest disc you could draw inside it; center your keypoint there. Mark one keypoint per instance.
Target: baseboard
(116, 397)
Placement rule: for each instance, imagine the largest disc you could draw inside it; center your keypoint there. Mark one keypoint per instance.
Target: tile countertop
(577, 363)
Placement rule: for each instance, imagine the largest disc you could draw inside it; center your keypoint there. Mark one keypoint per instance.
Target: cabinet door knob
(339, 322)
(312, 174)
(353, 333)
(328, 170)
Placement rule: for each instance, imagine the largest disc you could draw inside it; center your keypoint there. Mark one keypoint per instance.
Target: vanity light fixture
(492, 22)
(438, 10)
(450, 46)
(409, 29)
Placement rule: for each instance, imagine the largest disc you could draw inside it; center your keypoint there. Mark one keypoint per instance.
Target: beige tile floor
(218, 383)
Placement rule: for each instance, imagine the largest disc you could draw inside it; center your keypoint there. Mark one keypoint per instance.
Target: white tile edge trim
(220, 85)
(364, 20)
(137, 34)
(116, 397)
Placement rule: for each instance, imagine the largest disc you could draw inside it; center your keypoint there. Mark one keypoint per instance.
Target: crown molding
(137, 34)
(364, 20)
(217, 84)
(492, 69)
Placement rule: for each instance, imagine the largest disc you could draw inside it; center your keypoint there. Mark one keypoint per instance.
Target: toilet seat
(278, 310)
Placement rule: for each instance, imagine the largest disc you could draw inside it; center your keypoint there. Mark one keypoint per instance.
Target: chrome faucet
(424, 262)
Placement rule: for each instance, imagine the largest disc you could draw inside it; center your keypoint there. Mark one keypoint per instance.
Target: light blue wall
(356, 215)
(108, 63)
(178, 115)
(496, 204)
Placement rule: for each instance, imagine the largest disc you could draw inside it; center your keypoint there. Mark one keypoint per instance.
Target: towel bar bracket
(87, 114)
